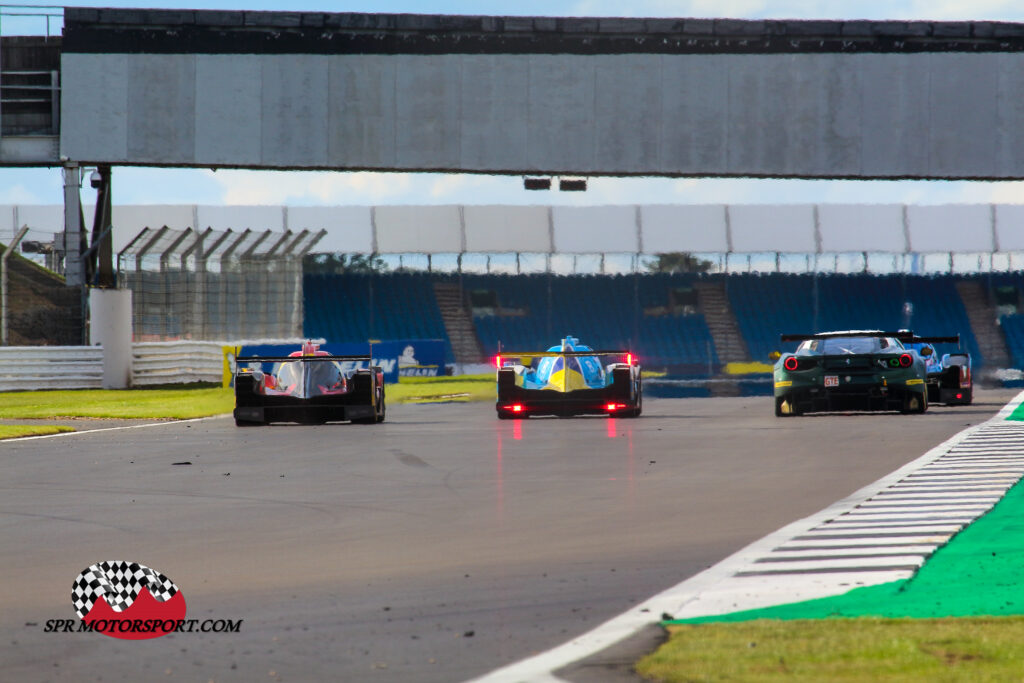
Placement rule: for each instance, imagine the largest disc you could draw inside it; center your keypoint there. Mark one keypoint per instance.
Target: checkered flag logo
(119, 583)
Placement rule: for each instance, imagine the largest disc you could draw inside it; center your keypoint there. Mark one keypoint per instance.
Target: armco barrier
(50, 367)
(81, 367)
(176, 362)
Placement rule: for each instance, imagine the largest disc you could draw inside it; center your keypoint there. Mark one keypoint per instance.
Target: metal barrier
(50, 367)
(30, 86)
(81, 367)
(177, 362)
(31, 20)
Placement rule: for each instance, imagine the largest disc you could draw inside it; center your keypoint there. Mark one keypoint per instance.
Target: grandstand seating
(769, 305)
(1012, 321)
(605, 311)
(357, 307)
(535, 311)
(1013, 328)
(601, 311)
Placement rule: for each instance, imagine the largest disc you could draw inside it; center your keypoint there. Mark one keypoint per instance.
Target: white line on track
(112, 429)
(736, 584)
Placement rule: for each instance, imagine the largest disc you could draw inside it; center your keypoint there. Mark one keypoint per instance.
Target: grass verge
(178, 403)
(863, 649)
(182, 403)
(15, 431)
(432, 389)
(957, 619)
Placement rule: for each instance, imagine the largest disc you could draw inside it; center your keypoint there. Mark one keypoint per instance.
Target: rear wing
(955, 339)
(283, 359)
(903, 335)
(530, 355)
(241, 360)
(551, 354)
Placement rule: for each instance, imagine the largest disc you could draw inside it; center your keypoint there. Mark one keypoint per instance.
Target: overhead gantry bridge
(518, 95)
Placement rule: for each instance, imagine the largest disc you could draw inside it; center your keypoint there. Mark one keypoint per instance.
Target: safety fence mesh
(215, 284)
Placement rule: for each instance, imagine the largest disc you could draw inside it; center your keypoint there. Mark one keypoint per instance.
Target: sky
(310, 188)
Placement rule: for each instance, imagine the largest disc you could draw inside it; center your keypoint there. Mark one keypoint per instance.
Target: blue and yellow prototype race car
(568, 379)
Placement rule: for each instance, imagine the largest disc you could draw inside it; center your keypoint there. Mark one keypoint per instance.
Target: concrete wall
(653, 229)
(925, 115)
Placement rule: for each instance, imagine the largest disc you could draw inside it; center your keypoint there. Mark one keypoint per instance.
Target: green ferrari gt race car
(852, 370)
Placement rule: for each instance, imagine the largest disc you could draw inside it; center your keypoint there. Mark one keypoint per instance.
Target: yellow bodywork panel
(566, 380)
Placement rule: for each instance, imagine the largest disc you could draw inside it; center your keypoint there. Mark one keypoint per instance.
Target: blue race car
(949, 377)
(568, 379)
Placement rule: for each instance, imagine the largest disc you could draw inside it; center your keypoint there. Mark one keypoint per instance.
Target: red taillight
(497, 362)
(791, 363)
(517, 408)
(906, 360)
(612, 407)
(629, 359)
(959, 396)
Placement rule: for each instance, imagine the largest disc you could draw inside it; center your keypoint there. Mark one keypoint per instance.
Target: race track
(437, 546)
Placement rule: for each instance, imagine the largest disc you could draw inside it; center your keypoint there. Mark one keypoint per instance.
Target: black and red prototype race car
(309, 387)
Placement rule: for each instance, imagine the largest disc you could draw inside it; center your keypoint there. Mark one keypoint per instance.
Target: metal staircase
(458, 323)
(981, 312)
(713, 303)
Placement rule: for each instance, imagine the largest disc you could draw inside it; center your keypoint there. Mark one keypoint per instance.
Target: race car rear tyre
(246, 423)
(968, 396)
(915, 404)
(382, 407)
(785, 407)
(639, 406)
(379, 409)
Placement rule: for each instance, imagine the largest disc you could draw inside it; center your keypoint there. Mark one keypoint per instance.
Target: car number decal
(831, 380)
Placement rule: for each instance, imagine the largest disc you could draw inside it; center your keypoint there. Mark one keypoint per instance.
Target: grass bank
(867, 649)
(433, 389)
(957, 619)
(16, 431)
(183, 403)
(178, 403)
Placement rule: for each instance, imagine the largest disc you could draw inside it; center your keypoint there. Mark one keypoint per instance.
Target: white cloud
(938, 10)
(958, 10)
(310, 187)
(19, 194)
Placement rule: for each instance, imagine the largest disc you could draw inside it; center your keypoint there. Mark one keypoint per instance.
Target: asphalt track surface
(437, 546)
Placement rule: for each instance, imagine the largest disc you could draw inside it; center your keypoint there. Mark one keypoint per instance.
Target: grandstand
(658, 315)
(524, 312)
(768, 305)
(357, 307)
(696, 290)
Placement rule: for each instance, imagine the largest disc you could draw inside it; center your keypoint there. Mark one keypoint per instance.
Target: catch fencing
(212, 284)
